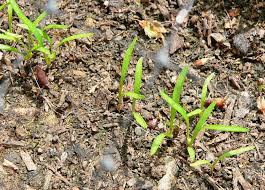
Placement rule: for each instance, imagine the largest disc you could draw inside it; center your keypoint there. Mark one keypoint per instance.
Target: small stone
(241, 43)
(138, 131)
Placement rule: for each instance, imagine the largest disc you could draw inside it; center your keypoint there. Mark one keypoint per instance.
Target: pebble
(241, 43)
(138, 131)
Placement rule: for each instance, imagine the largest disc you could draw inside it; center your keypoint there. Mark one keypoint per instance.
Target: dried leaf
(153, 29)
(41, 77)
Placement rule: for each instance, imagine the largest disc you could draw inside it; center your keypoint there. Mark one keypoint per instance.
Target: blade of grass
(134, 95)
(40, 18)
(202, 121)
(157, 143)
(8, 48)
(204, 90)
(177, 93)
(227, 128)
(194, 112)
(17, 36)
(175, 105)
(232, 153)
(199, 163)
(138, 76)
(7, 37)
(26, 21)
(140, 120)
(75, 37)
(3, 6)
(55, 26)
(124, 69)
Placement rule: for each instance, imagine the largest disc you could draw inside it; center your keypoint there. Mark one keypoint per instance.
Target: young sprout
(202, 112)
(41, 43)
(124, 70)
(227, 154)
(176, 96)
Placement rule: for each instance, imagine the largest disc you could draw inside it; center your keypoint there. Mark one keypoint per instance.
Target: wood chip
(47, 181)
(246, 185)
(28, 161)
(12, 143)
(229, 110)
(9, 164)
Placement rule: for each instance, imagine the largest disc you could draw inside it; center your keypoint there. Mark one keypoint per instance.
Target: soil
(72, 133)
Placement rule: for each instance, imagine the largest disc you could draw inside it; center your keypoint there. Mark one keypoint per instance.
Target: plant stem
(120, 96)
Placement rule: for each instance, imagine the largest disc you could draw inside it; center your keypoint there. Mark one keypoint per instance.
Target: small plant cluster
(203, 112)
(37, 38)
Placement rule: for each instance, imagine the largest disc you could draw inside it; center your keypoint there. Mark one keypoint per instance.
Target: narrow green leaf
(138, 76)
(227, 128)
(157, 143)
(47, 37)
(134, 95)
(179, 84)
(24, 26)
(3, 6)
(140, 120)
(127, 59)
(235, 152)
(40, 18)
(194, 112)
(7, 37)
(26, 21)
(43, 50)
(232, 153)
(17, 36)
(175, 105)
(192, 153)
(199, 163)
(74, 37)
(202, 121)
(177, 93)
(204, 89)
(8, 48)
(55, 26)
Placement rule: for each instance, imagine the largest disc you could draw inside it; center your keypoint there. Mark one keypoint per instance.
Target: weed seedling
(203, 113)
(124, 70)
(227, 154)
(37, 39)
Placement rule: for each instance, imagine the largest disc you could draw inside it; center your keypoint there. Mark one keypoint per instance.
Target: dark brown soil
(73, 131)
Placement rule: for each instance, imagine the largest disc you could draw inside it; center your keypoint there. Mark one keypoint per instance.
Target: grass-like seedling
(124, 70)
(227, 154)
(37, 39)
(203, 113)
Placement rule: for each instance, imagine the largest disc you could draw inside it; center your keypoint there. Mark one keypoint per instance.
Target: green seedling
(37, 39)
(124, 70)
(176, 97)
(202, 112)
(227, 154)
